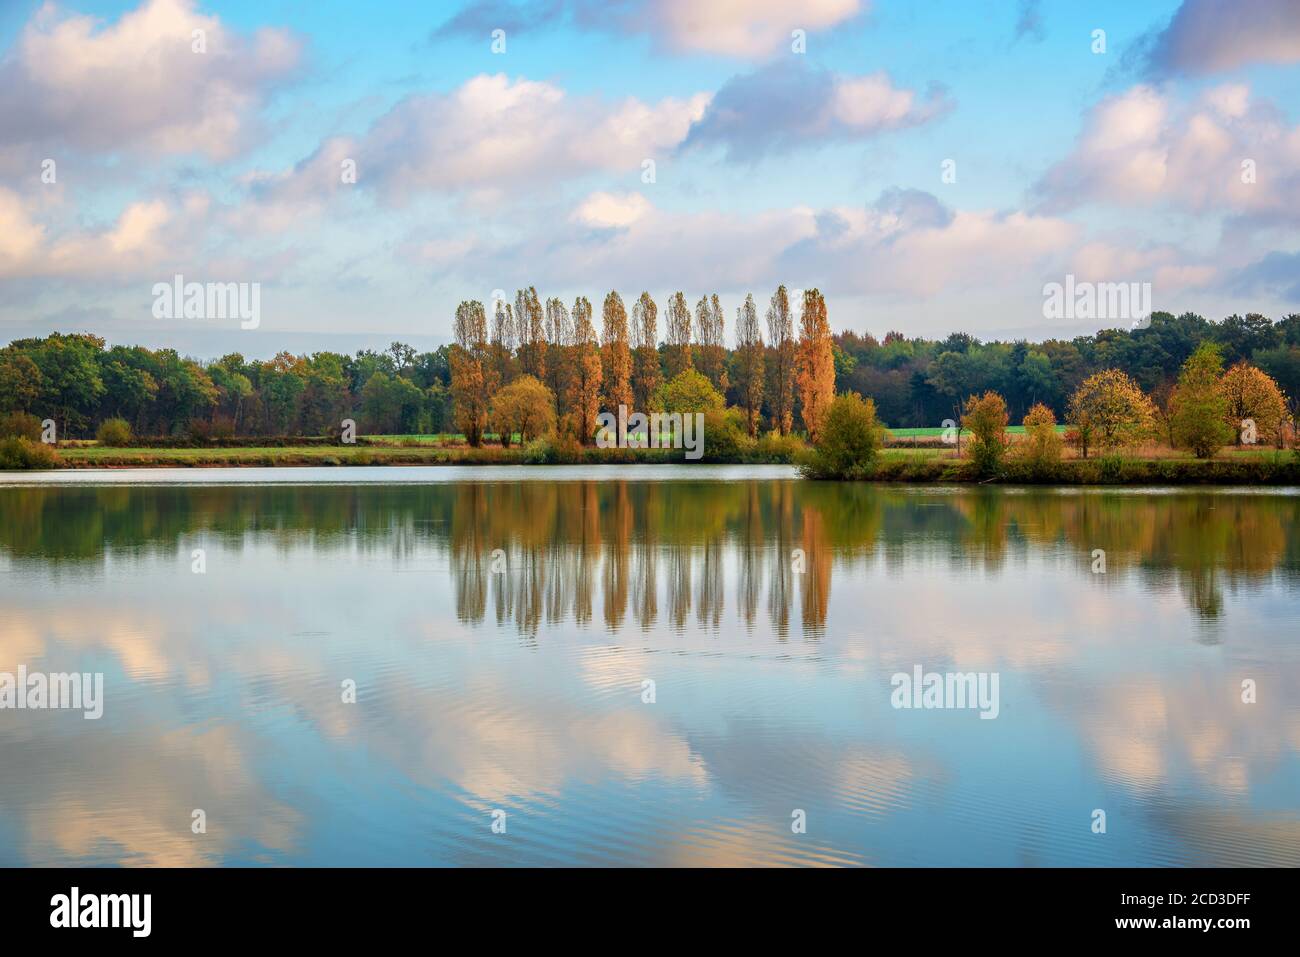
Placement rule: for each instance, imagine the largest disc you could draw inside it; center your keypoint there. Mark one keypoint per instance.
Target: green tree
(21, 382)
(389, 404)
(72, 385)
(1198, 406)
(689, 392)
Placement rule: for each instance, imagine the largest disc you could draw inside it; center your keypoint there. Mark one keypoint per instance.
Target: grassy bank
(1245, 469)
(94, 456)
(901, 464)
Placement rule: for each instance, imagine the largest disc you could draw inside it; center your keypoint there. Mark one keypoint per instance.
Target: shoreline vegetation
(898, 461)
(1174, 400)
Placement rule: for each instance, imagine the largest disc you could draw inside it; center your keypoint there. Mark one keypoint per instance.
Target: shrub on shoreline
(114, 433)
(22, 424)
(986, 418)
(1041, 450)
(848, 446)
(19, 453)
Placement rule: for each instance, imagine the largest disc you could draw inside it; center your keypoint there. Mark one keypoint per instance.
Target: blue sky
(480, 170)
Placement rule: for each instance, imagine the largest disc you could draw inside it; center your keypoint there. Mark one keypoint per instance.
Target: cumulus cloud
(907, 243)
(1170, 269)
(137, 84)
(1212, 36)
(147, 237)
(738, 28)
(741, 28)
(628, 242)
(493, 135)
(787, 104)
(1223, 151)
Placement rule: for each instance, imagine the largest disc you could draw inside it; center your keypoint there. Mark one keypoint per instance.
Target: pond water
(651, 665)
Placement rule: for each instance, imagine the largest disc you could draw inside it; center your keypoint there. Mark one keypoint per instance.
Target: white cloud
(147, 238)
(903, 248)
(489, 136)
(788, 105)
(743, 28)
(1168, 268)
(611, 210)
(1142, 147)
(137, 85)
(737, 28)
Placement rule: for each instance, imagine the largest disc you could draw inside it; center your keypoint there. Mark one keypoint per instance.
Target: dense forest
(561, 357)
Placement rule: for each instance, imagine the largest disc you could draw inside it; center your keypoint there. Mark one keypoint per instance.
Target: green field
(927, 433)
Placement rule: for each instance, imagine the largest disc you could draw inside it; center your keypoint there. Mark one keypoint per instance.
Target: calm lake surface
(502, 627)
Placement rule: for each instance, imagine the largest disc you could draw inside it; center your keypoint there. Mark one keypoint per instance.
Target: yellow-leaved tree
(472, 381)
(525, 406)
(1110, 411)
(1256, 406)
(815, 362)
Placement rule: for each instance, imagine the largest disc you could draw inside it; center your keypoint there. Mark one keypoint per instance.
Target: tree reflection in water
(620, 552)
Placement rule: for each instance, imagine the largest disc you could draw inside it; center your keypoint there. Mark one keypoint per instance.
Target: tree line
(534, 366)
(535, 369)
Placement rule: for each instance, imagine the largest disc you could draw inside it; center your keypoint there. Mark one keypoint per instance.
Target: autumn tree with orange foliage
(646, 376)
(1253, 399)
(618, 356)
(472, 385)
(584, 383)
(815, 363)
(530, 328)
